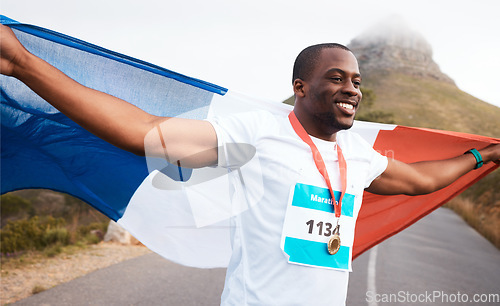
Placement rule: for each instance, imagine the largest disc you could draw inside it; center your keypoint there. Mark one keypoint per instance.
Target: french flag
(182, 214)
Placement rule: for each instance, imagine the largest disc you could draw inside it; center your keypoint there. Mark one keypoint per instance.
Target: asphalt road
(438, 261)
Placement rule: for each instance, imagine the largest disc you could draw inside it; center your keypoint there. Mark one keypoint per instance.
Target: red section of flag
(381, 217)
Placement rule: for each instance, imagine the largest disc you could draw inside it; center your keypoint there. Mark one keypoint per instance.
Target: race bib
(309, 224)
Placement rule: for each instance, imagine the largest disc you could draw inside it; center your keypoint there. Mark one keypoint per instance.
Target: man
(269, 265)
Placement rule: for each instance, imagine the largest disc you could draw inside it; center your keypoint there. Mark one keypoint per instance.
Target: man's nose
(349, 89)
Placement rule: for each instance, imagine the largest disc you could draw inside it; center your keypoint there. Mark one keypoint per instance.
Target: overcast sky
(250, 46)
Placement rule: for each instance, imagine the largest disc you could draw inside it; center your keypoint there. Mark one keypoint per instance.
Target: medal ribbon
(320, 164)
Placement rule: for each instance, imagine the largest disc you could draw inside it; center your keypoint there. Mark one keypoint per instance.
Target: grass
(484, 219)
(53, 250)
(28, 258)
(425, 102)
(17, 262)
(28, 240)
(37, 289)
(31, 256)
(46, 234)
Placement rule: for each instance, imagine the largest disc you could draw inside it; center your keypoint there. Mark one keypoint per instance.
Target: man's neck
(313, 128)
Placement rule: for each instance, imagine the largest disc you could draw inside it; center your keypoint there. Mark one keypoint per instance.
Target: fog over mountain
(393, 45)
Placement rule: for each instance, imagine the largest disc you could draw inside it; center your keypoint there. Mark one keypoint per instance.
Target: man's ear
(299, 88)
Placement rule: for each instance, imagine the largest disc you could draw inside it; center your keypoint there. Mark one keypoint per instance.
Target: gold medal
(334, 242)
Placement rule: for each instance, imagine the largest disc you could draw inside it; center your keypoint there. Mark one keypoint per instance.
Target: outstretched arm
(114, 120)
(428, 176)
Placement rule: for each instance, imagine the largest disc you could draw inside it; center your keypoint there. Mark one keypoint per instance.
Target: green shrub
(85, 232)
(53, 250)
(13, 204)
(32, 234)
(85, 229)
(48, 234)
(91, 239)
(377, 116)
(58, 235)
(37, 289)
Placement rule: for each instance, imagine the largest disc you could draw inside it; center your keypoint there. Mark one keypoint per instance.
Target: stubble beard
(330, 123)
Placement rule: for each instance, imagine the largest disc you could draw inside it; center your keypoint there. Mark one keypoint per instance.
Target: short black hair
(308, 58)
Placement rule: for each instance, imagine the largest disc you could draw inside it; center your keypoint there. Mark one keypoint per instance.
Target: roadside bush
(32, 234)
(58, 235)
(91, 239)
(87, 229)
(92, 233)
(13, 207)
(52, 250)
(37, 289)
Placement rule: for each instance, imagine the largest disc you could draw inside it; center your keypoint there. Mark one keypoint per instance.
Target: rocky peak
(393, 45)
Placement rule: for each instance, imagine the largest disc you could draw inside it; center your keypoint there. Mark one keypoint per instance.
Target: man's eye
(336, 79)
(357, 83)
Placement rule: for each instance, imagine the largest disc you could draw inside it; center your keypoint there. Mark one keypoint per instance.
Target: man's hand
(428, 176)
(491, 153)
(11, 51)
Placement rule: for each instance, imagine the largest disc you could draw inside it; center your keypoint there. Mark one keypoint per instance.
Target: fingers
(491, 153)
(5, 37)
(11, 51)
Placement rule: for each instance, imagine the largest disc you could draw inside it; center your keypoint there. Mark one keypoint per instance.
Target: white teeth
(346, 105)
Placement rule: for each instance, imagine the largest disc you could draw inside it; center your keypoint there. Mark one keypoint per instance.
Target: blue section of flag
(316, 254)
(42, 148)
(318, 198)
(87, 47)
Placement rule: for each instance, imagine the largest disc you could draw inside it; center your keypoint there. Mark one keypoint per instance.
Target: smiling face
(327, 100)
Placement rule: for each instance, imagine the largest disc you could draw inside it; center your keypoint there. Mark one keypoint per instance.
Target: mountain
(407, 86)
(393, 46)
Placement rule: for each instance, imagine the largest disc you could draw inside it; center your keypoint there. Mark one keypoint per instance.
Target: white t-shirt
(259, 272)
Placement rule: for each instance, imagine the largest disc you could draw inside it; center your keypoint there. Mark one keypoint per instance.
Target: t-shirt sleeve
(378, 164)
(362, 150)
(242, 130)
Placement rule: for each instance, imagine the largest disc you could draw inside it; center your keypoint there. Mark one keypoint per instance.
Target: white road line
(372, 267)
